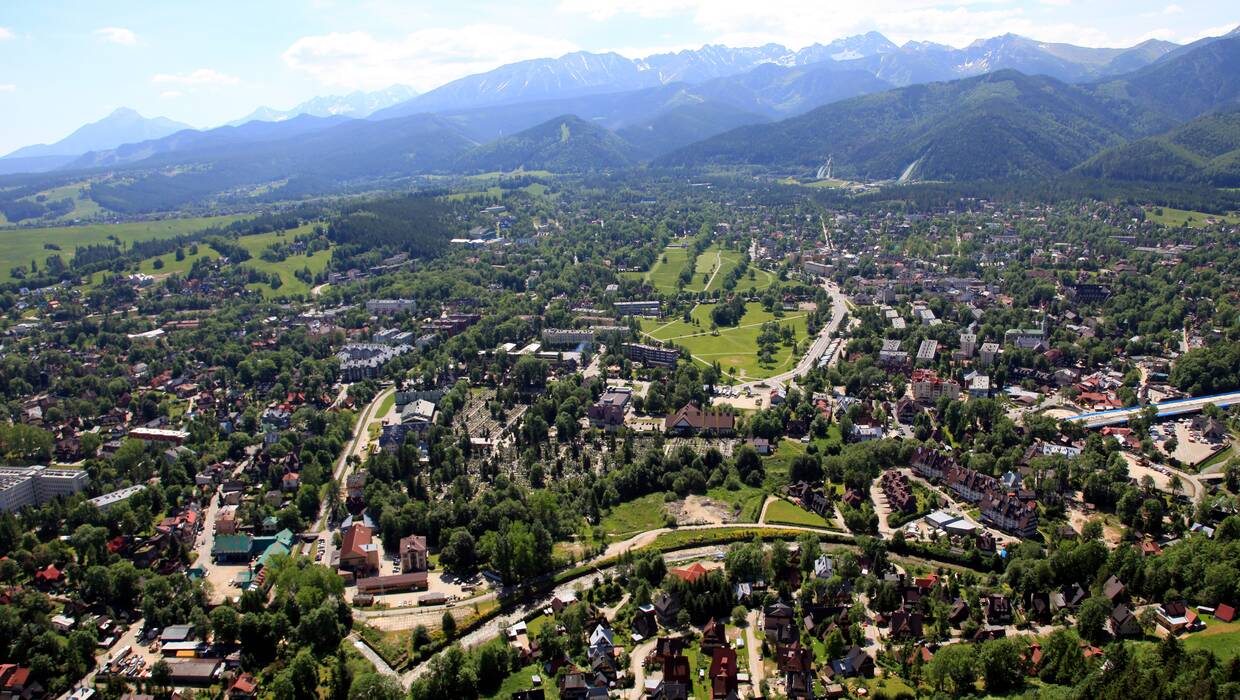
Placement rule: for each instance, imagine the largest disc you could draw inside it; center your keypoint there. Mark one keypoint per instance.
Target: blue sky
(65, 63)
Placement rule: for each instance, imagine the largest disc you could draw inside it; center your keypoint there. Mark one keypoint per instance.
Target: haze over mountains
(120, 127)
(357, 104)
(1001, 107)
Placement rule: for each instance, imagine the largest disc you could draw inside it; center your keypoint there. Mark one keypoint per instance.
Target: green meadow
(734, 347)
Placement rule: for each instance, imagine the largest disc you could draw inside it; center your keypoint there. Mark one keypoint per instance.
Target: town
(627, 437)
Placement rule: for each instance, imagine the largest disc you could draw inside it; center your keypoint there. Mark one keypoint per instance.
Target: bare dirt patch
(699, 510)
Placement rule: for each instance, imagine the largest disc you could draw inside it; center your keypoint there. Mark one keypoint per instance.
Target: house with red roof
(50, 577)
(244, 688)
(1224, 613)
(358, 551)
(16, 683)
(691, 573)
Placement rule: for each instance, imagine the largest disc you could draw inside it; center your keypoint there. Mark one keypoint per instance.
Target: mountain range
(357, 105)
(120, 127)
(1003, 107)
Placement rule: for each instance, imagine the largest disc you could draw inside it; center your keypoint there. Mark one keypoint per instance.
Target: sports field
(734, 347)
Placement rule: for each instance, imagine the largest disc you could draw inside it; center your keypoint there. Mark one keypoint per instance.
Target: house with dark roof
(692, 420)
(855, 663)
(723, 673)
(905, 624)
(998, 609)
(1114, 590)
(779, 622)
(713, 635)
(1123, 623)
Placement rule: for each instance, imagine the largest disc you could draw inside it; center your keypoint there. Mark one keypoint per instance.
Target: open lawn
(1182, 217)
(521, 679)
(637, 515)
(1219, 638)
(19, 246)
(746, 501)
(83, 206)
(735, 348)
(171, 265)
(663, 274)
(784, 513)
(285, 268)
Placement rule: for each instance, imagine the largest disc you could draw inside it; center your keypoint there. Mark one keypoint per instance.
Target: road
(356, 447)
(839, 308)
(637, 667)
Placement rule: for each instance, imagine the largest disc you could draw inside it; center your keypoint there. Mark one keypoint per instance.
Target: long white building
(21, 487)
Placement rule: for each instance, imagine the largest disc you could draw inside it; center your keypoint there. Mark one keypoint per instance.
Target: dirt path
(757, 673)
(637, 669)
(765, 504)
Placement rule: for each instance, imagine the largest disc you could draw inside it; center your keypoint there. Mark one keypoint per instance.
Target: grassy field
(521, 680)
(637, 515)
(285, 268)
(784, 513)
(171, 265)
(1219, 638)
(20, 246)
(665, 271)
(664, 275)
(747, 498)
(1182, 217)
(735, 348)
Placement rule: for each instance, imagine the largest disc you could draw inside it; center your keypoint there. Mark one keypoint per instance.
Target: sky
(64, 63)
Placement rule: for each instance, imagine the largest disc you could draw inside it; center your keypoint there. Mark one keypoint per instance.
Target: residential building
(651, 307)
(979, 387)
(176, 437)
(927, 350)
(692, 420)
(107, 500)
(360, 361)
(389, 307)
(358, 552)
(1010, 513)
(608, 412)
(413, 553)
(567, 336)
(21, 487)
(1088, 293)
(968, 344)
(650, 355)
(928, 387)
(988, 354)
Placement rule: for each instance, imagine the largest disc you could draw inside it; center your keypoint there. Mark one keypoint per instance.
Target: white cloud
(7, 87)
(6, 33)
(1172, 9)
(1220, 30)
(200, 77)
(171, 94)
(424, 59)
(117, 35)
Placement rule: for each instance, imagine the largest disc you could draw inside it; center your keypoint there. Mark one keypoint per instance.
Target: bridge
(1166, 409)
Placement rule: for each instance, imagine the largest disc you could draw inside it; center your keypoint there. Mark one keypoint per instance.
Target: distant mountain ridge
(356, 105)
(122, 126)
(1001, 124)
(582, 73)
